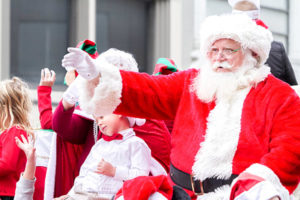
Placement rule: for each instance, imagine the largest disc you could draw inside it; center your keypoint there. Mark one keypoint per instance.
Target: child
(15, 106)
(117, 157)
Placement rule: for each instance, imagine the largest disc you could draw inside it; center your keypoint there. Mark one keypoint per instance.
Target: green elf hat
(88, 46)
(165, 66)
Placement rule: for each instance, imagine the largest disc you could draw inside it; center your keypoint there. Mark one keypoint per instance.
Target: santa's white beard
(211, 85)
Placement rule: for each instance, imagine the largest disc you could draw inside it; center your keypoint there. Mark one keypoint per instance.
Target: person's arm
(278, 170)
(44, 98)
(104, 87)
(70, 126)
(25, 186)
(9, 163)
(133, 94)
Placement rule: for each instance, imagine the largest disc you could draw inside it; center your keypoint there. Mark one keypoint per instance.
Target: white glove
(82, 62)
(71, 94)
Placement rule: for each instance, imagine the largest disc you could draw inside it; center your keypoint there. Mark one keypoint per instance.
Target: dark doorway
(39, 37)
(124, 24)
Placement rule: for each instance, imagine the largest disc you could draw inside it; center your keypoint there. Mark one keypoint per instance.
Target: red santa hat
(237, 27)
(146, 187)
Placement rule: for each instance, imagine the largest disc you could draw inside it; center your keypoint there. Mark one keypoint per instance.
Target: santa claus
(236, 129)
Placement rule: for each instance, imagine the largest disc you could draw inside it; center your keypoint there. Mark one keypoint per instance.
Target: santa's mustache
(224, 65)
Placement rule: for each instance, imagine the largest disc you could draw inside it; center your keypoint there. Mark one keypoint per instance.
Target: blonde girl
(15, 106)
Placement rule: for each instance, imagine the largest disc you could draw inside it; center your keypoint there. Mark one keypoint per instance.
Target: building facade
(35, 34)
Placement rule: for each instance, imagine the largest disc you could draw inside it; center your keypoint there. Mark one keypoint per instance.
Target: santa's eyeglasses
(227, 52)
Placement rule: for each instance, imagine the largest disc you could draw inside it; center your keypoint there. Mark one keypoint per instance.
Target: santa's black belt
(187, 181)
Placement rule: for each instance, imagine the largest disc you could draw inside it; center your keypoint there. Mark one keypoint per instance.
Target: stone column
(83, 21)
(4, 39)
(181, 31)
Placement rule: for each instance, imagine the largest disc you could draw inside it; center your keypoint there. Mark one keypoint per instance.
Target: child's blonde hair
(15, 105)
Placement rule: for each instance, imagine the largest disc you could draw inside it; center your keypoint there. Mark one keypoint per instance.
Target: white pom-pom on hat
(137, 121)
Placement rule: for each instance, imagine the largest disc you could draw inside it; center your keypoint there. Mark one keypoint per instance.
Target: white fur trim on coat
(214, 158)
(223, 129)
(101, 97)
(240, 28)
(267, 174)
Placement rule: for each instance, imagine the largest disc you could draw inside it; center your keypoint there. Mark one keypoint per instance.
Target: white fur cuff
(267, 174)
(104, 96)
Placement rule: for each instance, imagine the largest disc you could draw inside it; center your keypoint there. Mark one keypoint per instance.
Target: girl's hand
(27, 146)
(47, 77)
(105, 168)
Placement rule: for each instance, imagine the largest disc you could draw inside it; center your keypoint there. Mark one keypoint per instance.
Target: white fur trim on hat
(239, 28)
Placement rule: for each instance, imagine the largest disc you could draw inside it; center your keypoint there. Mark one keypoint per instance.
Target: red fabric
(261, 23)
(67, 169)
(169, 124)
(244, 183)
(39, 186)
(74, 129)
(45, 106)
(12, 160)
(115, 136)
(270, 121)
(142, 187)
(67, 154)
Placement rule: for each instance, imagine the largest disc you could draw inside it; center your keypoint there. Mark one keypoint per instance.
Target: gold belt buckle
(193, 187)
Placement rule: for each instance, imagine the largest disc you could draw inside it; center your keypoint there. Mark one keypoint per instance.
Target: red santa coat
(260, 124)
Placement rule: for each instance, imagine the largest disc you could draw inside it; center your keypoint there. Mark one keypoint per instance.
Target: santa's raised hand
(82, 62)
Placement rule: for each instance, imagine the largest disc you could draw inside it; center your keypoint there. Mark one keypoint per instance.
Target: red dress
(12, 160)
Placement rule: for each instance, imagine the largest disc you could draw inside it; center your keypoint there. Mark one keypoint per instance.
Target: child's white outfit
(130, 155)
(24, 189)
